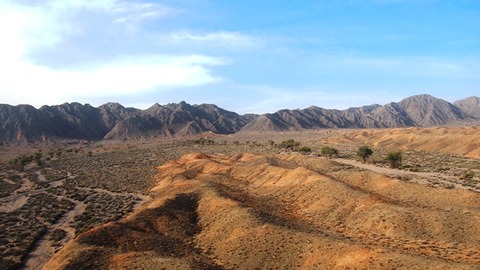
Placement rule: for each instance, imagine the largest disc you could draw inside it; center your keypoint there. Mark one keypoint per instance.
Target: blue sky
(245, 56)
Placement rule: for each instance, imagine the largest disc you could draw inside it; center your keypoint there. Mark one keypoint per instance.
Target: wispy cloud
(139, 12)
(223, 38)
(63, 5)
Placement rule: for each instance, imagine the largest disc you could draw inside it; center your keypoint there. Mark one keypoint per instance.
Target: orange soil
(284, 212)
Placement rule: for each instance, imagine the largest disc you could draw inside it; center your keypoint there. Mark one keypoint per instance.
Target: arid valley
(244, 201)
(239, 135)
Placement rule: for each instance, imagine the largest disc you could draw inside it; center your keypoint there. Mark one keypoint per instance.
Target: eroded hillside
(284, 211)
(459, 141)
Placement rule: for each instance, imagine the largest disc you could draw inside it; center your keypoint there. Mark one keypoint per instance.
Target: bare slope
(459, 141)
(284, 212)
(470, 105)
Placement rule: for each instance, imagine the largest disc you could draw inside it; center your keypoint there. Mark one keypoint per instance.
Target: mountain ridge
(414, 111)
(113, 121)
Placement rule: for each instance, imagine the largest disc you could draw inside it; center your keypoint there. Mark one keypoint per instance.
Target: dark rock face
(74, 121)
(180, 119)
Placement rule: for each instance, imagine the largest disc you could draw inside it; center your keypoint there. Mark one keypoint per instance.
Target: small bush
(364, 152)
(289, 144)
(305, 150)
(395, 159)
(204, 141)
(328, 151)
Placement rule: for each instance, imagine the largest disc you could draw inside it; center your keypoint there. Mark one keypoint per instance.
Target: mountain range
(74, 121)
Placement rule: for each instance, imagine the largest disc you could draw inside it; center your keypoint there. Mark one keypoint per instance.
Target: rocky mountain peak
(470, 105)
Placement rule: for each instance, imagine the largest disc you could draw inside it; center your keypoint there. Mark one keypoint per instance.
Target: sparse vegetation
(329, 152)
(469, 175)
(21, 228)
(102, 208)
(305, 150)
(57, 236)
(40, 187)
(290, 144)
(395, 159)
(364, 152)
(204, 141)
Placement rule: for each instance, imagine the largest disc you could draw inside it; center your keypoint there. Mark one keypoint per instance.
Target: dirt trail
(425, 178)
(383, 170)
(12, 202)
(21, 195)
(27, 185)
(43, 251)
(18, 198)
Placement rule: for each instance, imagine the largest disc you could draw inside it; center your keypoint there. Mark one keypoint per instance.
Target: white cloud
(64, 5)
(134, 13)
(29, 27)
(233, 39)
(26, 28)
(23, 29)
(39, 85)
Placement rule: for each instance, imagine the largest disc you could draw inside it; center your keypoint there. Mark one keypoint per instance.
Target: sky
(247, 56)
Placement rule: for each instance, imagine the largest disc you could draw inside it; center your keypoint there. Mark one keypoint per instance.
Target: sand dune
(284, 211)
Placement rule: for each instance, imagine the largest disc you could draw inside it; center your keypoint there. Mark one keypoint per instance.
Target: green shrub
(395, 159)
(364, 152)
(305, 150)
(289, 144)
(328, 151)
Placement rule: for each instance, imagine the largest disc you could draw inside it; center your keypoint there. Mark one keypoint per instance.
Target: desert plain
(242, 201)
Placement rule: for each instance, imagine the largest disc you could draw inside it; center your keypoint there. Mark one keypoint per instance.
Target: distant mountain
(74, 121)
(469, 105)
(415, 111)
(180, 119)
